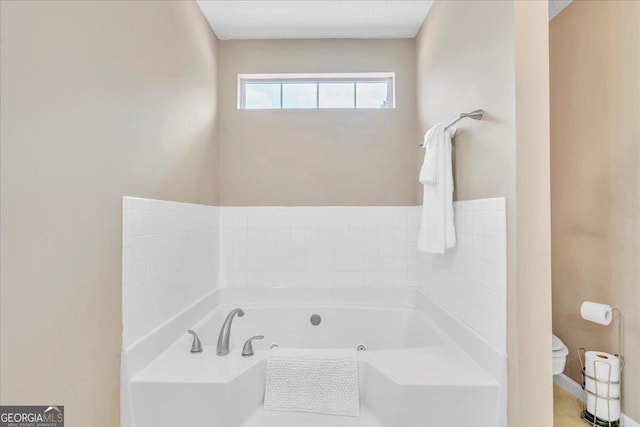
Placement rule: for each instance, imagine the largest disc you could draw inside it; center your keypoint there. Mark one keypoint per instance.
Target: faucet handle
(247, 350)
(196, 347)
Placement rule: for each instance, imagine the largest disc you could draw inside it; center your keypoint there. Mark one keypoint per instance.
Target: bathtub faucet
(225, 332)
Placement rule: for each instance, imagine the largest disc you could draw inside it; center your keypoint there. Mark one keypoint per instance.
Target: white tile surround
(318, 246)
(182, 261)
(176, 253)
(169, 261)
(470, 281)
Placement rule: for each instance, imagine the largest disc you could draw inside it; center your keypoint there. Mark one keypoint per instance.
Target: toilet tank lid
(557, 343)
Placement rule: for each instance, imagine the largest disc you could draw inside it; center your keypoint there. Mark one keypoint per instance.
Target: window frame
(318, 78)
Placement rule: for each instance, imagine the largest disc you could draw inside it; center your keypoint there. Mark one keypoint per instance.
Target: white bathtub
(346, 326)
(411, 374)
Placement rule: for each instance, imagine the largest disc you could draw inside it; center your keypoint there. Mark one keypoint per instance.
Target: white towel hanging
(437, 229)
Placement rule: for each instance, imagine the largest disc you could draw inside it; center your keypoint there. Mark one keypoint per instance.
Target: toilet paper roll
(595, 312)
(603, 367)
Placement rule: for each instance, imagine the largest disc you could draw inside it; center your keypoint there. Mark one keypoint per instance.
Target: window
(314, 91)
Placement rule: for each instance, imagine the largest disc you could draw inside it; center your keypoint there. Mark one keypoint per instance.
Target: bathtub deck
(435, 384)
(262, 418)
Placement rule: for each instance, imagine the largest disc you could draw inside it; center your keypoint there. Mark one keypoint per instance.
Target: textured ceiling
(557, 6)
(311, 19)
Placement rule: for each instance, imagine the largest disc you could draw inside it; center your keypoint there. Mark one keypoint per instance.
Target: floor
(566, 409)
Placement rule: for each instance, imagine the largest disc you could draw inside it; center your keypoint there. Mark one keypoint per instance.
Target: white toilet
(559, 352)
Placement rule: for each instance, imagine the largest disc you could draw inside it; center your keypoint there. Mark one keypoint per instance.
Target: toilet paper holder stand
(593, 419)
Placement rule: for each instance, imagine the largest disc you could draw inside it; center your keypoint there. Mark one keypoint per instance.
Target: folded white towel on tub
(324, 381)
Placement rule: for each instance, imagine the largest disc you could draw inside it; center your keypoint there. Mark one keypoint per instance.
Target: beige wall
(529, 300)
(99, 100)
(499, 64)
(460, 71)
(140, 109)
(595, 176)
(317, 157)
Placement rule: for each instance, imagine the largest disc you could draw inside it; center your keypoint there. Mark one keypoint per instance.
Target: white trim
(628, 422)
(353, 78)
(313, 76)
(569, 385)
(575, 389)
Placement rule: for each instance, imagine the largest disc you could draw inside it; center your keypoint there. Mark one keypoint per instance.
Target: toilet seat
(557, 343)
(563, 352)
(559, 355)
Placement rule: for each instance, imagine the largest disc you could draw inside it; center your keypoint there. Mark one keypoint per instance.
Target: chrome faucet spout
(225, 332)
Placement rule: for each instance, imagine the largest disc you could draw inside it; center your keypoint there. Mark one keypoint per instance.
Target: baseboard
(628, 422)
(570, 386)
(575, 389)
